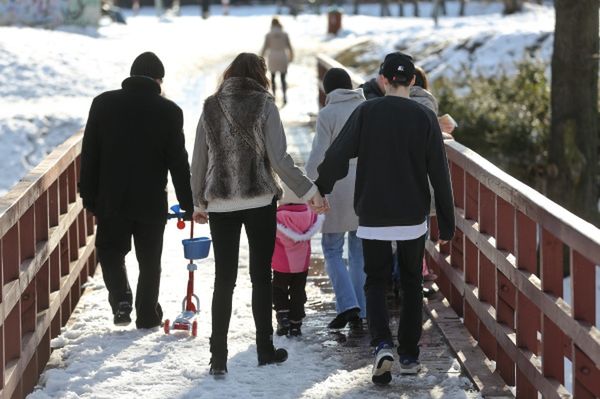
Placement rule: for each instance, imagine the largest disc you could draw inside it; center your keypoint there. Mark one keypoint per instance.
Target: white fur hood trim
(297, 237)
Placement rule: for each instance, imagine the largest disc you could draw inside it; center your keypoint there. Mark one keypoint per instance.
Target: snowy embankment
(48, 78)
(483, 43)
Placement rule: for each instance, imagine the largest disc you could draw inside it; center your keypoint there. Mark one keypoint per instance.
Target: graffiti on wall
(49, 13)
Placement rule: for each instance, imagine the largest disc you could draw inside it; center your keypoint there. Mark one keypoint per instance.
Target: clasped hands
(318, 204)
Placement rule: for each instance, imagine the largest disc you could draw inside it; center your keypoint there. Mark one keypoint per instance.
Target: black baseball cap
(398, 67)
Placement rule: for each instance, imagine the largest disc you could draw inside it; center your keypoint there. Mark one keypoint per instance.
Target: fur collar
(297, 237)
(242, 86)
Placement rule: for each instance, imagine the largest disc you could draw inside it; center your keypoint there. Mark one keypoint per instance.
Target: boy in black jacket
(399, 144)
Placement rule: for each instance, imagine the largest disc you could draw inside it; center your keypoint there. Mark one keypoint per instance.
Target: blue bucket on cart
(196, 248)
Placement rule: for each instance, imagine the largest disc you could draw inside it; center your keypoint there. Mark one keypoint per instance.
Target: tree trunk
(461, 11)
(400, 8)
(574, 137)
(385, 8)
(356, 4)
(416, 7)
(443, 7)
(512, 6)
(435, 12)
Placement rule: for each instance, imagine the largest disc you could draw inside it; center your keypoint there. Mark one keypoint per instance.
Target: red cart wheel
(166, 326)
(194, 328)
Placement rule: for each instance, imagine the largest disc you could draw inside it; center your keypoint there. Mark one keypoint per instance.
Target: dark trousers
(283, 82)
(289, 293)
(377, 256)
(113, 242)
(225, 228)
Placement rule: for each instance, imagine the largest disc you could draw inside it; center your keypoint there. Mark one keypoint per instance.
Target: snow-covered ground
(47, 82)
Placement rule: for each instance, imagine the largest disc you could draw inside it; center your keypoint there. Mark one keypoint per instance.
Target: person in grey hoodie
(420, 91)
(341, 220)
(240, 146)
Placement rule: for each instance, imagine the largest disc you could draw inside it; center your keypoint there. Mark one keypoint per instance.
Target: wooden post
(586, 375)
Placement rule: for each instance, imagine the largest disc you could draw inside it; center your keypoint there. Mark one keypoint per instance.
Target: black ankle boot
(218, 366)
(218, 360)
(121, 315)
(295, 328)
(343, 318)
(267, 354)
(278, 355)
(283, 322)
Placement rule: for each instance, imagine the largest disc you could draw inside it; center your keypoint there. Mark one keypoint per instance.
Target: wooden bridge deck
(441, 376)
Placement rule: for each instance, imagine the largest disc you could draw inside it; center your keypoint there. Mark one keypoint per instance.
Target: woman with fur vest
(240, 146)
(296, 225)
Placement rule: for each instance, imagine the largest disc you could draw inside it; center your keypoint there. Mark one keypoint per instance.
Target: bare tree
(439, 6)
(574, 136)
(385, 8)
(415, 4)
(512, 6)
(355, 6)
(462, 10)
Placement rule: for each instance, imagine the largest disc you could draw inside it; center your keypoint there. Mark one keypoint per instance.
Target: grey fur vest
(238, 165)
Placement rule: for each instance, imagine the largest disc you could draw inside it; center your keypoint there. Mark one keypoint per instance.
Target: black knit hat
(398, 67)
(336, 78)
(148, 64)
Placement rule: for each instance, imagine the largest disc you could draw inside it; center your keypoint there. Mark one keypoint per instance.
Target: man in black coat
(399, 146)
(133, 138)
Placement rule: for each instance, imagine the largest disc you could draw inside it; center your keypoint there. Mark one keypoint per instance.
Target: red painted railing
(46, 254)
(504, 271)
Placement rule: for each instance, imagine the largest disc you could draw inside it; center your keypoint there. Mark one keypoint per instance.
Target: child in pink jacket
(296, 224)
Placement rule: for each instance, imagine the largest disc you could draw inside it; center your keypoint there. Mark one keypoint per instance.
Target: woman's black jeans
(225, 228)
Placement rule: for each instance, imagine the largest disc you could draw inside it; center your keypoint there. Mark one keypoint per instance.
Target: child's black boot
(295, 328)
(283, 322)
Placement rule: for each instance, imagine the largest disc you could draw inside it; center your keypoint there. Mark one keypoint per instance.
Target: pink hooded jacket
(296, 224)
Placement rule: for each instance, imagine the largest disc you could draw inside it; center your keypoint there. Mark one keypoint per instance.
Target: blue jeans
(348, 283)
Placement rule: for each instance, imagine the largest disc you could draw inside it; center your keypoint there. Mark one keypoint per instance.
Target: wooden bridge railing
(46, 254)
(503, 274)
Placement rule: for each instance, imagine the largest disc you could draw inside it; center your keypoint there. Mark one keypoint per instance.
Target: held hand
(447, 123)
(200, 217)
(326, 204)
(318, 204)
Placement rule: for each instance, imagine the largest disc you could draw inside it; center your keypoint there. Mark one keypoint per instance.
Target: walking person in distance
(279, 52)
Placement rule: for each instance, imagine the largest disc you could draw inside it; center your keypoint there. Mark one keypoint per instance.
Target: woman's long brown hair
(248, 65)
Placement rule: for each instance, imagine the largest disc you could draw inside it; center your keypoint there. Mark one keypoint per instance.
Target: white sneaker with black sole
(382, 366)
(409, 365)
